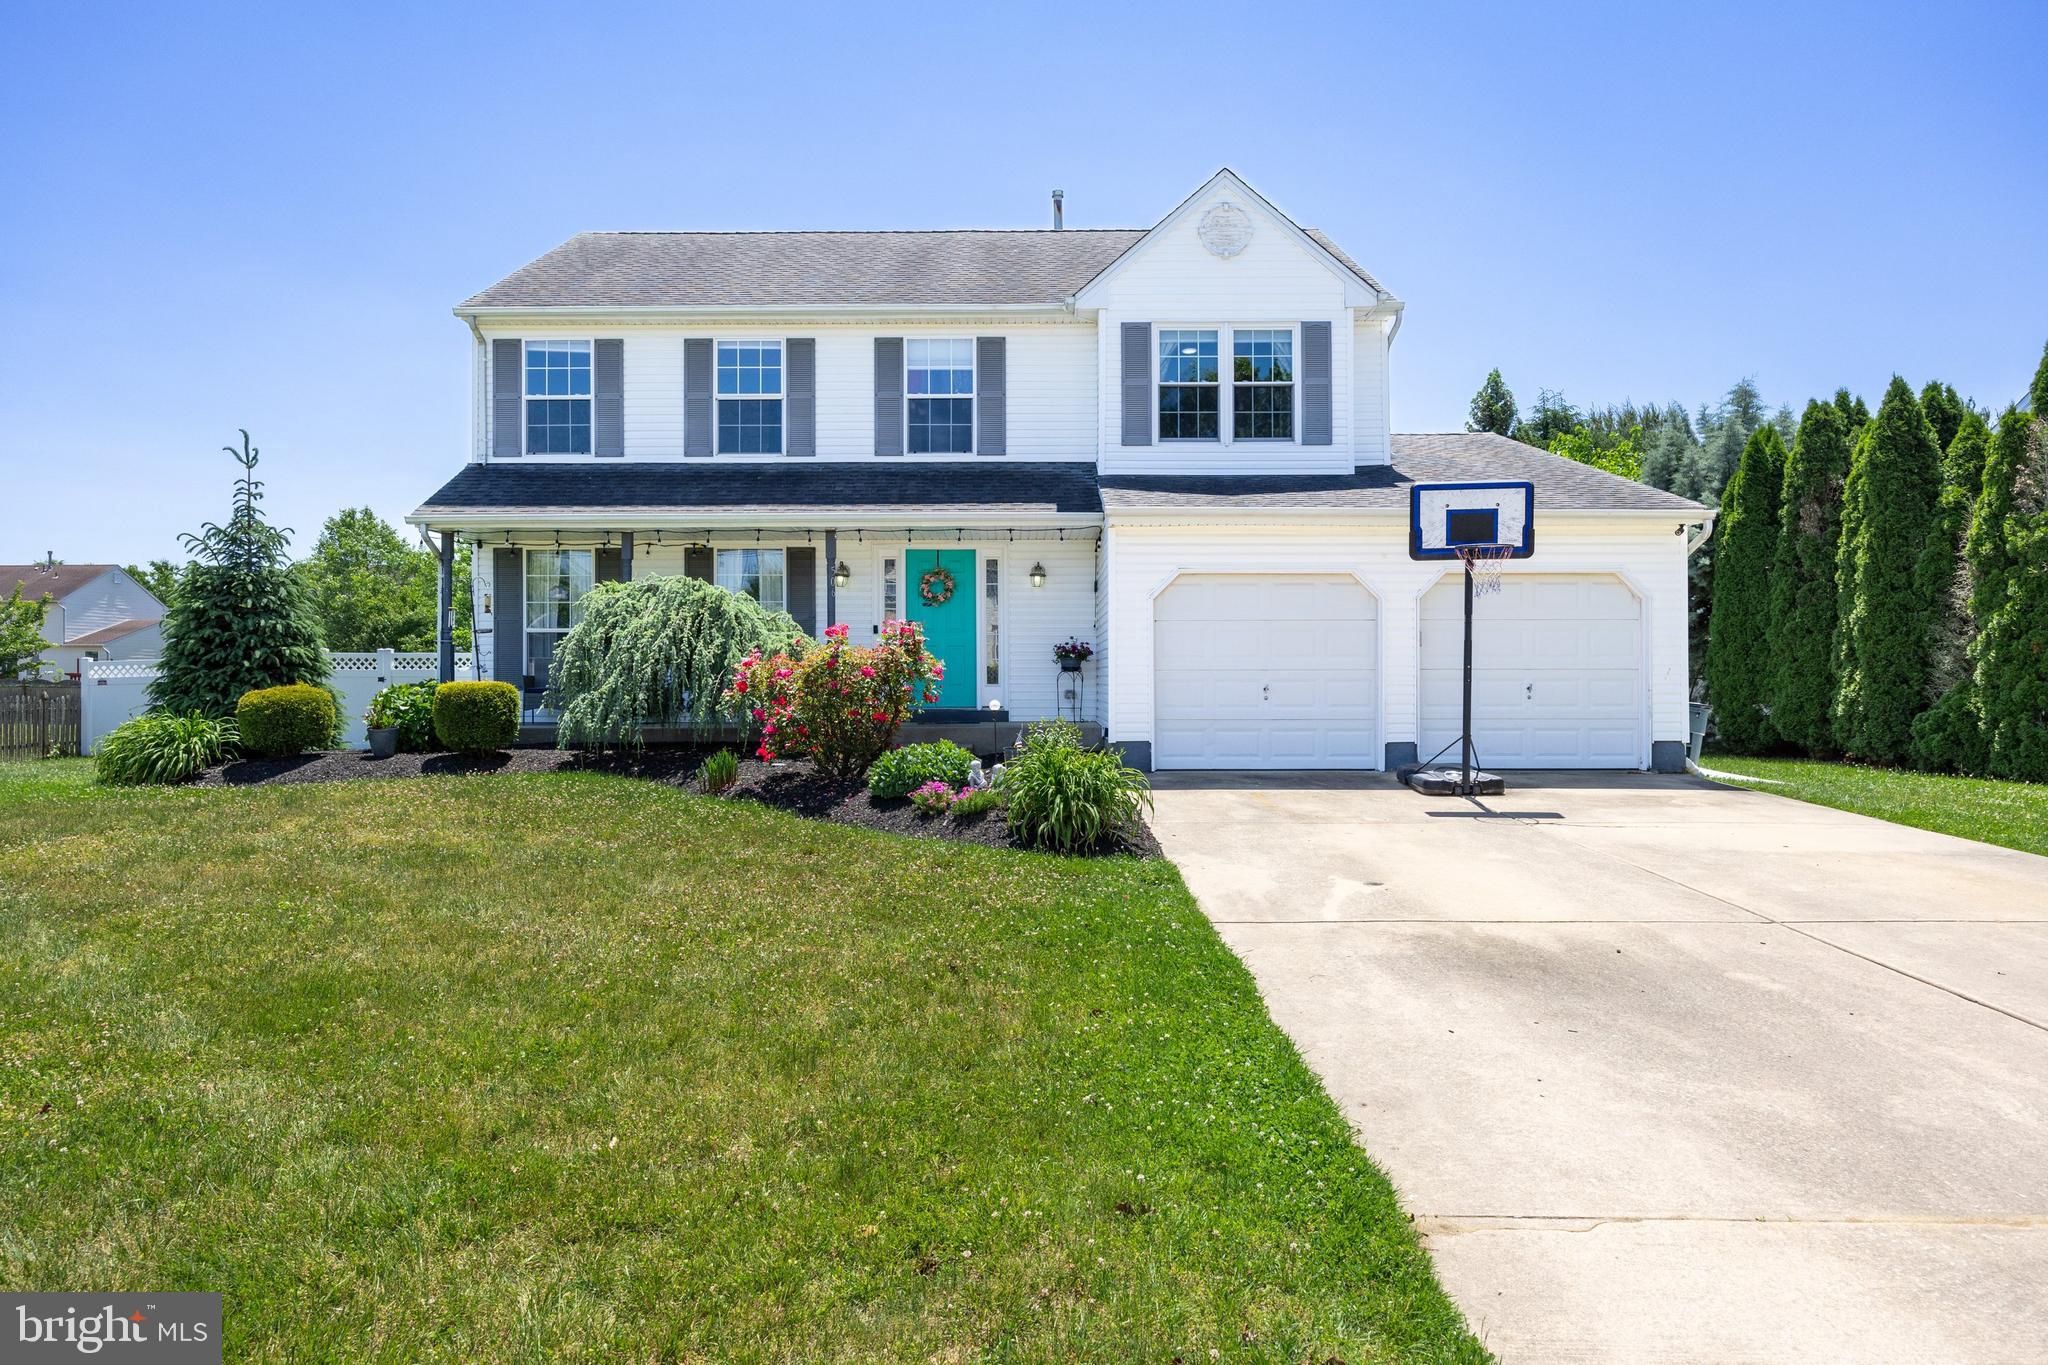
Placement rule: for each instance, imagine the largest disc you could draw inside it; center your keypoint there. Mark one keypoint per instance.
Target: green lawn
(2014, 814)
(574, 1067)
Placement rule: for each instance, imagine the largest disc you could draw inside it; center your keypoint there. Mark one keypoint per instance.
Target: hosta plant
(161, 748)
(839, 705)
(902, 771)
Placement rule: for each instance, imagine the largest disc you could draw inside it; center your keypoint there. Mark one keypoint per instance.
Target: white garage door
(1557, 671)
(1265, 671)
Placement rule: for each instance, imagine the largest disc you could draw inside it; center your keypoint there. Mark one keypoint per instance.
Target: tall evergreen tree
(1949, 735)
(1551, 418)
(1855, 415)
(1944, 408)
(1888, 516)
(1802, 614)
(2012, 674)
(1668, 453)
(1493, 407)
(1738, 638)
(241, 619)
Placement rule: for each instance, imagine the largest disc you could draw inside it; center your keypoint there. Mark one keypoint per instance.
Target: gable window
(1190, 394)
(750, 398)
(1262, 384)
(938, 385)
(558, 398)
(756, 574)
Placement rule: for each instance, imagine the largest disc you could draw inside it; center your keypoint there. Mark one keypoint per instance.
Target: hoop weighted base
(1451, 782)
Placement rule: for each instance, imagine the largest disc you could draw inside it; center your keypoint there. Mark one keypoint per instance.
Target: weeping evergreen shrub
(655, 652)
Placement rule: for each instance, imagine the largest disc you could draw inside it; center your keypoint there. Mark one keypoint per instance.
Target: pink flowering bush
(933, 798)
(839, 705)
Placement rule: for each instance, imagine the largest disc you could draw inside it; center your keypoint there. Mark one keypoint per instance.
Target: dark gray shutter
(800, 585)
(1137, 384)
(800, 406)
(697, 563)
(888, 395)
(508, 615)
(1315, 383)
(608, 397)
(697, 396)
(508, 381)
(991, 409)
(610, 565)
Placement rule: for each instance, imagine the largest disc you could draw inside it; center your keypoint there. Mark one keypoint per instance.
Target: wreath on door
(936, 587)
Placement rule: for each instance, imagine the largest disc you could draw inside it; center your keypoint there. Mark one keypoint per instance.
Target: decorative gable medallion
(1225, 230)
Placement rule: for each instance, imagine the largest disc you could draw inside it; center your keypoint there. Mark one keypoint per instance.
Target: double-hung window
(938, 386)
(756, 574)
(558, 398)
(750, 398)
(1262, 384)
(1190, 394)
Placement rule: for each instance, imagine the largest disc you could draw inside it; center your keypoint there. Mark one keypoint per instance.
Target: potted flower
(401, 716)
(1073, 654)
(383, 728)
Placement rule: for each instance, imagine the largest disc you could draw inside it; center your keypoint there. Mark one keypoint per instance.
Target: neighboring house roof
(106, 635)
(1435, 457)
(816, 487)
(1039, 268)
(60, 582)
(782, 488)
(1025, 268)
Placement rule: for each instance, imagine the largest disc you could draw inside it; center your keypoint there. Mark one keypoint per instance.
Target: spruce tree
(1802, 615)
(1944, 408)
(1888, 516)
(1948, 736)
(2009, 547)
(242, 619)
(1738, 634)
(1493, 407)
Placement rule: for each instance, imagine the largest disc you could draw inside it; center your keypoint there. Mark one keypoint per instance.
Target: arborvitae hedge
(1944, 409)
(2012, 672)
(1894, 482)
(1738, 635)
(1949, 735)
(1802, 614)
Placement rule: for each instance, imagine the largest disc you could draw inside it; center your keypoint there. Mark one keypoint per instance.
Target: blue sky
(261, 217)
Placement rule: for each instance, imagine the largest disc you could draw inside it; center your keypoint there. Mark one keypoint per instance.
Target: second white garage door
(1557, 672)
(1265, 671)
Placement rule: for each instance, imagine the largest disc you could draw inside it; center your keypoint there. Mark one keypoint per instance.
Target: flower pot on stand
(383, 743)
(1070, 665)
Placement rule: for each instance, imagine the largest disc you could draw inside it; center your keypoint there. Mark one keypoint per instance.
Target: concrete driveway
(1664, 1070)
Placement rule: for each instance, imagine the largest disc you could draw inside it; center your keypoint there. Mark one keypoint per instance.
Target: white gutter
(1693, 542)
(685, 518)
(657, 312)
(1196, 511)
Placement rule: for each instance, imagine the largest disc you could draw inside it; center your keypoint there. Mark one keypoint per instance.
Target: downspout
(1698, 538)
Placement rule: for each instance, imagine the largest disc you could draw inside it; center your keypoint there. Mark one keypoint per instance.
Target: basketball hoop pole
(1465, 742)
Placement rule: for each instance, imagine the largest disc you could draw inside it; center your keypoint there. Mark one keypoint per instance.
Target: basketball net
(1484, 563)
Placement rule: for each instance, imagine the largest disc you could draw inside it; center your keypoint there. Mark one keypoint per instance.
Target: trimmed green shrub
(721, 769)
(278, 722)
(1802, 612)
(901, 771)
(476, 717)
(1071, 800)
(1887, 612)
(653, 652)
(409, 709)
(1738, 635)
(162, 748)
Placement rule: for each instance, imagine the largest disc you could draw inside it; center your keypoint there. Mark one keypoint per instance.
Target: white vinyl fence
(115, 690)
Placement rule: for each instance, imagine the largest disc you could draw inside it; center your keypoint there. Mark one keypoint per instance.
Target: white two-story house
(1172, 443)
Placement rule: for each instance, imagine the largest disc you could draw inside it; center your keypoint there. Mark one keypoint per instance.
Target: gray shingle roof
(785, 488)
(1033, 268)
(809, 269)
(1436, 457)
(59, 582)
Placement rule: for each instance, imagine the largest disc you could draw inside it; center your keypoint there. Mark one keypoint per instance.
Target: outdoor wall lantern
(1038, 575)
(841, 575)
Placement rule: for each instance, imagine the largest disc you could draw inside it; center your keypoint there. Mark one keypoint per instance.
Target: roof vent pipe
(1059, 198)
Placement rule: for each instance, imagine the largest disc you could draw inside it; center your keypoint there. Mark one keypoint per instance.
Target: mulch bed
(796, 787)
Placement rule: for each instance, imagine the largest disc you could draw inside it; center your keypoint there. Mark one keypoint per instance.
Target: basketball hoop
(1484, 563)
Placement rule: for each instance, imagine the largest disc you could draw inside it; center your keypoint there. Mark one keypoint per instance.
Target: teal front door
(948, 625)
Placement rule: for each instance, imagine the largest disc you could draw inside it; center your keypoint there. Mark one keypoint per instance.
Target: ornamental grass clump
(839, 705)
(160, 748)
(654, 652)
(1068, 799)
(720, 772)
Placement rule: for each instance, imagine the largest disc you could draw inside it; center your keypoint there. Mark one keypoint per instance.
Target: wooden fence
(38, 719)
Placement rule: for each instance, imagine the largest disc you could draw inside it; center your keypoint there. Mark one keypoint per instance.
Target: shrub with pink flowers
(933, 798)
(840, 705)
